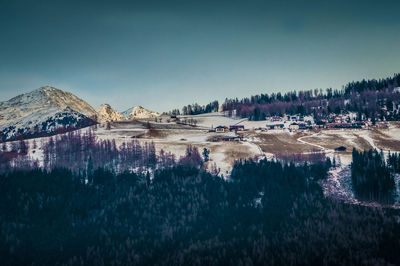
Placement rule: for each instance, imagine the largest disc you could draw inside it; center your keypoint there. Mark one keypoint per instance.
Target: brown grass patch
(385, 142)
(282, 143)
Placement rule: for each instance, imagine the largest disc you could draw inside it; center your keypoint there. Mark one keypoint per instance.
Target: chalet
(352, 116)
(339, 119)
(221, 129)
(293, 126)
(275, 126)
(276, 118)
(236, 128)
(303, 126)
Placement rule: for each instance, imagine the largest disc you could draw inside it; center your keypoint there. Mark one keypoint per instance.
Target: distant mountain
(139, 112)
(43, 111)
(107, 114)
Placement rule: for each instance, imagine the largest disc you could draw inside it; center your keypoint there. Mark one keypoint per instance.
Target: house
(236, 128)
(339, 119)
(221, 129)
(303, 126)
(340, 148)
(293, 127)
(276, 118)
(299, 126)
(275, 126)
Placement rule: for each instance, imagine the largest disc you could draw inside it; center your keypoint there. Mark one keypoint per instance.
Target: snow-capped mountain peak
(43, 111)
(138, 112)
(107, 114)
(65, 99)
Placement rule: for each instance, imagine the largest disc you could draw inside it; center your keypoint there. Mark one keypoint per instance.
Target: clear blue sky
(164, 54)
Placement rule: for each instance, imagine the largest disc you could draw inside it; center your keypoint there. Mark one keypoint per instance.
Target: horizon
(201, 104)
(161, 55)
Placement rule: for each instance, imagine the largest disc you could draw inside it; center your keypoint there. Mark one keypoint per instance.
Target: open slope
(43, 111)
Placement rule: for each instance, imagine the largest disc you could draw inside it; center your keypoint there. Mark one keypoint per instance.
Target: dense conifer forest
(93, 202)
(375, 99)
(267, 213)
(369, 98)
(372, 176)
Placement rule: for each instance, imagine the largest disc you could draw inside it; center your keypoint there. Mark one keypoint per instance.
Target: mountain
(43, 111)
(139, 112)
(106, 114)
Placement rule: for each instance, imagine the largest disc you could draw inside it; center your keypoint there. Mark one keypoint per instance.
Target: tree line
(196, 109)
(365, 97)
(82, 152)
(353, 97)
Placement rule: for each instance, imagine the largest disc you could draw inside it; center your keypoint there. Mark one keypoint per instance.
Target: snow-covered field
(175, 138)
(210, 120)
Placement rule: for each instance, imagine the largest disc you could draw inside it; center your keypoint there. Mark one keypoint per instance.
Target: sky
(166, 54)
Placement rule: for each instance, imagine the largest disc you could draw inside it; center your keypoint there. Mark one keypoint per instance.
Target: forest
(372, 176)
(83, 153)
(368, 98)
(93, 202)
(268, 213)
(196, 109)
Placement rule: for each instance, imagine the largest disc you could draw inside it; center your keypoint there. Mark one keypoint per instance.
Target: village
(296, 123)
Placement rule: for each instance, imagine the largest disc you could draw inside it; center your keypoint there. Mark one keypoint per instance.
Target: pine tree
(206, 154)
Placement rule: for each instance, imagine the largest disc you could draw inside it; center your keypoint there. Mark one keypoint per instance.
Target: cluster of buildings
(348, 120)
(294, 123)
(223, 129)
(298, 122)
(289, 122)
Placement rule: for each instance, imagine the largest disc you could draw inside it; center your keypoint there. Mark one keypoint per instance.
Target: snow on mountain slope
(41, 112)
(139, 112)
(107, 114)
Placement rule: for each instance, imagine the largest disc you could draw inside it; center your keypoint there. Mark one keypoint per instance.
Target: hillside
(43, 111)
